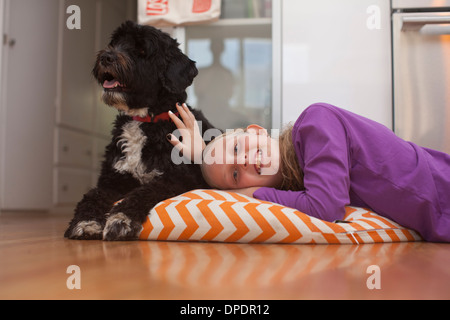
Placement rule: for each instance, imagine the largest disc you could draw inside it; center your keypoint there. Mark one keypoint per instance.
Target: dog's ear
(179, 73)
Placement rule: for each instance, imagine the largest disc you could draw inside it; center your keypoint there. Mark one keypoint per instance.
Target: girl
(328, 159)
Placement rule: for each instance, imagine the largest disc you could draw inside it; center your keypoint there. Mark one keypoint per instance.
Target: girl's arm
(320, 141)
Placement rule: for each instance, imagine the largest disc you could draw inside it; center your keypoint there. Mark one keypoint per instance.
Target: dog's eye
(142, 52)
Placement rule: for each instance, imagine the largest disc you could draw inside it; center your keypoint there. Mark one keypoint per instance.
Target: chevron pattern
(220, 216)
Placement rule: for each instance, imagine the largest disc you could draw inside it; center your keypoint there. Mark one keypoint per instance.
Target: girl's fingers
(184, 115)
(174, 141)
(189, 112)
(176, 120)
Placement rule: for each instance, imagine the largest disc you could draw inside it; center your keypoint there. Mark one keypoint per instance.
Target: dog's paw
(85, 230)
(120, 227)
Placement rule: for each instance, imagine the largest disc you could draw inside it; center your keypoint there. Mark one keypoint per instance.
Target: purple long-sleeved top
(351, 160)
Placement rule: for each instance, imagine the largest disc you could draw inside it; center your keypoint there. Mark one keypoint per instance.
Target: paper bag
(165, 13)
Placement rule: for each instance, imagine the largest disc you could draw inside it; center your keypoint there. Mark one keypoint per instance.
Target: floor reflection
(236, 265)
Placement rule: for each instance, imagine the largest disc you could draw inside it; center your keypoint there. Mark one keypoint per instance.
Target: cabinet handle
(417, 23)
(9, 41)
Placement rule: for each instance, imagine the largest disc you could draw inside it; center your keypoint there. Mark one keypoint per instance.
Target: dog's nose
(107, 58)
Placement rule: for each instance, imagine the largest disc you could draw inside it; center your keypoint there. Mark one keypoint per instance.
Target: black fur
(153, 74)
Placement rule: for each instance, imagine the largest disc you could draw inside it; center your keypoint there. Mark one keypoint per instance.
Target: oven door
(421, 51)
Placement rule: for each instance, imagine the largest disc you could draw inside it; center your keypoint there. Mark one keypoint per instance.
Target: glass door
(234, 59)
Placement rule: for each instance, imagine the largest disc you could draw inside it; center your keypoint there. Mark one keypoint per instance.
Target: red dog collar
(152, 118)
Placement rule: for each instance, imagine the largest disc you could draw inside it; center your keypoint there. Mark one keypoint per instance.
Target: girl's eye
(235, 174)
(235, 148)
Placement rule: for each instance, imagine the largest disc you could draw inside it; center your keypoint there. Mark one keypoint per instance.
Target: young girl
(328, 159)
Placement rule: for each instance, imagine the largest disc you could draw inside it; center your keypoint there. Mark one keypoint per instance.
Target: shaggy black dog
(143, 74)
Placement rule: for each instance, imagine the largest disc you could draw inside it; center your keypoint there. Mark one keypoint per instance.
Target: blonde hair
(290, 169)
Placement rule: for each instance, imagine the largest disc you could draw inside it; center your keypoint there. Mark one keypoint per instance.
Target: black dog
(144, 74)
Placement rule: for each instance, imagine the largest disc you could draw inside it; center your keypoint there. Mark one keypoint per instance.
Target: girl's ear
(255, 129)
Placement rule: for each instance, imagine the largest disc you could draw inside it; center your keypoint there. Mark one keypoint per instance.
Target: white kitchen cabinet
(27, 105)
(78, 55)
(70, 185)
(99, 153)
(52, 123)
(84, 123)
(74, 149)
(80, 95)
(112, 13)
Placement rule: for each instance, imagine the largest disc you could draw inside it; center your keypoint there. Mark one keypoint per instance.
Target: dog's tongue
(108, 84)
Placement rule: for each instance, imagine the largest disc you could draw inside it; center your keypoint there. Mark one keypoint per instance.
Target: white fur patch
(118, 219)
(132, 141)
(87, 228)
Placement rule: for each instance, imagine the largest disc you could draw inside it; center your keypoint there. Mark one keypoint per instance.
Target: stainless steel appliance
(421, 65)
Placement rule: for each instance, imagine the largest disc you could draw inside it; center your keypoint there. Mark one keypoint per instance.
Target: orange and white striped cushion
(214, 215)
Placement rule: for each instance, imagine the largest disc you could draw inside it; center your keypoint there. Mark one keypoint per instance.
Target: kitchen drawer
(74, 148)
(100, 148)
(71, 185)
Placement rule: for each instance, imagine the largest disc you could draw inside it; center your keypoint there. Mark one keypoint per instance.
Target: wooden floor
(34, 258)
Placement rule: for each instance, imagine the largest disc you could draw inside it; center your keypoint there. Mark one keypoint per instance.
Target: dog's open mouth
(110, 83)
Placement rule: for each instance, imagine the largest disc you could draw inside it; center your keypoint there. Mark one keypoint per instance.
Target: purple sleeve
(320, 142)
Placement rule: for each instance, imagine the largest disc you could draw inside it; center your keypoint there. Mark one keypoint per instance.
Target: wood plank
(34, 258)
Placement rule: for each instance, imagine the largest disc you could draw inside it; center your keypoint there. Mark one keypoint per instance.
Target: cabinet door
(28, 102)
(113, 13)
(71, 184)
(2, 17)
(74, 149)
(77, 83)
(337, 52)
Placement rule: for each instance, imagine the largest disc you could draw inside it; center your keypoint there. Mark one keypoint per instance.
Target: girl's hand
(192, 143)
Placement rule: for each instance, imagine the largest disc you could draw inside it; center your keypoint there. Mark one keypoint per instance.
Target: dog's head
(143, 71)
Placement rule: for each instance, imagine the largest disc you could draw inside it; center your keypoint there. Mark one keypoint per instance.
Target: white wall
(337, 52)
(2, 125)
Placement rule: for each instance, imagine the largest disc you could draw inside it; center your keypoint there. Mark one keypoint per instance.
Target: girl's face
(243, 159)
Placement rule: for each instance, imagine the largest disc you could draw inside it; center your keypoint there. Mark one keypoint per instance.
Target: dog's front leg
(124, 221)
(89, 218)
